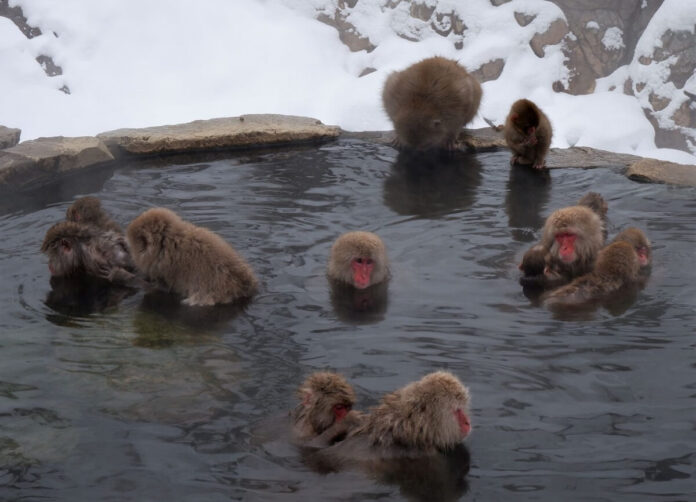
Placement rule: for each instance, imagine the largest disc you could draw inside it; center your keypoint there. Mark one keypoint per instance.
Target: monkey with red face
(528, 134)
(358, 259)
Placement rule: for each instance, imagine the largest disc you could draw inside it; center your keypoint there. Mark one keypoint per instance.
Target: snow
(154, 62)
(613, 38)
(592, 25)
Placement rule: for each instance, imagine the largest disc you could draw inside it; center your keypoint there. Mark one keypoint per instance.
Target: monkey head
(635, 237)
(326, 398)
(358, 258)
(62, 245)
(573, 233)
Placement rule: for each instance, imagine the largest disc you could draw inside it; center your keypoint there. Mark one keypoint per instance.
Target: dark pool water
(144, 400)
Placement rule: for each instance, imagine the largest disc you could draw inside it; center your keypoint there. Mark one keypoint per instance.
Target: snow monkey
(424, 418)
(324, 415)
(617, 267)
(528, 134)
(75, 249)
(191, 261)
(88, 211)
(359, 259)
(640, 243)
(429, 102)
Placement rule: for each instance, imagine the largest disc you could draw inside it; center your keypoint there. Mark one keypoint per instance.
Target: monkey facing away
(423, 418)
(528, 134)
(617, 268)
(88, 211)
(324, 415)
(429, 102)
(75, 249)
(359, 259)
(191, 261)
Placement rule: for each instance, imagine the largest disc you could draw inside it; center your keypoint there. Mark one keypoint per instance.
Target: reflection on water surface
(129, 396)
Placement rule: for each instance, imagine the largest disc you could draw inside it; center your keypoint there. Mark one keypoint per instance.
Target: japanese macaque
(423, 418)
(596, 202)
(81, 296)
(188, 260)
(617, 268)
(359, 259)
(88, 211)
(75, 249)
(636, 238)
(324, 415)
(429, 102)
(527, 134)
(534, 260)
(573, 235)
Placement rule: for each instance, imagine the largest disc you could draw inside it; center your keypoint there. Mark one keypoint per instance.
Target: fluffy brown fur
(75, 249)
(317, 422)
(352, 245)
(636, 238)
(596, 202)
(588, 228)
(528, 134)
(88, 211)
(417, 420)
(534, 260)
(189, 260)
(617, 267)
(429, 102)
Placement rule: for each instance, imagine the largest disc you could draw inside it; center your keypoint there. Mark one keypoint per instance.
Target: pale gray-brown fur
(528, 134)
(640, 242)
(415, 421)
(88, 211)
(357, 245)
(75, 248)
(617, 267)
(191, 261)
(429, 102)
(314, 418)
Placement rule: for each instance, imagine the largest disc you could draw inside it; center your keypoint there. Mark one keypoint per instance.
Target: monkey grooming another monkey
(636, 238)
(359, 259)
(429, 102)
(424, 418)
(324, 415)
(528, 134)
(188, 260)
(88, 211)
(617, 267)
(74, 249)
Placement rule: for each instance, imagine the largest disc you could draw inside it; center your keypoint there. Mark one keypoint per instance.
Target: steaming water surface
(116, 396)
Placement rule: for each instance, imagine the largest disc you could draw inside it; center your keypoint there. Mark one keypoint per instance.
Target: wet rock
(247, 131)
(659, 171)
(42, 160)
(9, 137)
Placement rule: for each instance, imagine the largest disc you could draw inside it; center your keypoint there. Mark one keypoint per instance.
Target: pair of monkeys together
(572, 262)
(161, 250)
(430, 101)
(422, 419)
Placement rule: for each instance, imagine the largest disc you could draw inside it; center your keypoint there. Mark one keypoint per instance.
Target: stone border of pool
(41, 161)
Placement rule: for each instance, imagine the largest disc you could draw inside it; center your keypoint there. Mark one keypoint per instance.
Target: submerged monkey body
(189, 260)
(429, 102)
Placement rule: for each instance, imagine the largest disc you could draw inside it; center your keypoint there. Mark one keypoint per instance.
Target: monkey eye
(341, 407)
(359, 260)
(369, 261)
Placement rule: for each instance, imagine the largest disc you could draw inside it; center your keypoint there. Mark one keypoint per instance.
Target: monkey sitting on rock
(528, 134)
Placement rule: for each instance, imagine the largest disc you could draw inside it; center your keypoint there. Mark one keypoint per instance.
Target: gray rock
(659, 171)
(247, 131)
(9, 137)
(42, 160)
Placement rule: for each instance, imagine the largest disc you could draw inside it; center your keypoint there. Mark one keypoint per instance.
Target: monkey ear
(65, 245)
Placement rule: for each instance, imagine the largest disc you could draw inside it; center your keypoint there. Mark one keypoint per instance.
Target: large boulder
(9, 137)
(247, 131)
(42, 160)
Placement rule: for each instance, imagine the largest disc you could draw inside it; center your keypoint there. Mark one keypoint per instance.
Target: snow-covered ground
(136, 63)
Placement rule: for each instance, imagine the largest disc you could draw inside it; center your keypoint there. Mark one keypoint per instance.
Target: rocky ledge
(42, 161)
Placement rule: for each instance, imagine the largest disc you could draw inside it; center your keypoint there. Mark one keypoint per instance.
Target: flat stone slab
(44, 159)
(660, 171)
(246, 131)
(9, 136)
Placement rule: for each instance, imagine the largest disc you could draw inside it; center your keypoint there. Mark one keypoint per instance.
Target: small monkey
(528, 134)
(74, 249)
(429, 102)
(359, 259)
(635, 237)
(188, 260)
(617, 267)
(427, 417)
(325, 413)
(596, 202)
(88, 211)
